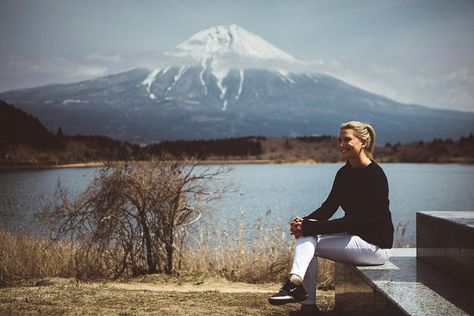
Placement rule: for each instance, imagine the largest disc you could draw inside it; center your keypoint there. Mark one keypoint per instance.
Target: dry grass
(105, 299)
(23, 256)
(224, 256)
(229, 254)
(226, 253)
(208, 251)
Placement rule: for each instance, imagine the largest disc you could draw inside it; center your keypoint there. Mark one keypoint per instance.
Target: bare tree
(128, 215)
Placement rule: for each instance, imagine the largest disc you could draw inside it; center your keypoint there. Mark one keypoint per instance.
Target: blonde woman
(363, 236)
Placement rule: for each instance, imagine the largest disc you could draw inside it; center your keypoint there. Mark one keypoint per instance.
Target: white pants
(343, 248)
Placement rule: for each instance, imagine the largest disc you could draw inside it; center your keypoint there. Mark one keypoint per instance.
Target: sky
(417, 52)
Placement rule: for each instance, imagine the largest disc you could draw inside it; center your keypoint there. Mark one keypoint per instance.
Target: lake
(274, 193)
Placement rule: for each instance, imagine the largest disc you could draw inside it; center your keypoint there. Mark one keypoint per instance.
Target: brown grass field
(228, 278)
(149, 296)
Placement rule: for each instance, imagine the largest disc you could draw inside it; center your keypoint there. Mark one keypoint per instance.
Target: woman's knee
(313, 240)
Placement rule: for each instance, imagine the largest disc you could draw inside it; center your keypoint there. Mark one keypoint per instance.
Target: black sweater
(363, 195)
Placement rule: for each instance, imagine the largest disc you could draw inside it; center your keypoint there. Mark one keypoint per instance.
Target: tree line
(24, 140)
(202, 149)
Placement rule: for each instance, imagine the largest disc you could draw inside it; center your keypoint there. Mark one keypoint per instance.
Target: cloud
(383, 69)
(104, 58)
(20, 72)
(434, 88)
(461, 77)
(69, 69)
(457, 88)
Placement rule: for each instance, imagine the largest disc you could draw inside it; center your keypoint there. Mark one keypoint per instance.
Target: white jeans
(343, 248)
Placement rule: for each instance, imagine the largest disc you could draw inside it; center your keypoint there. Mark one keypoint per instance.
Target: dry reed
(229, 253)
(23, 256)
(208, 250)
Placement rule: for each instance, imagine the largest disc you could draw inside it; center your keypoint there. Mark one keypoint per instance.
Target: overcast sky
(418, 52)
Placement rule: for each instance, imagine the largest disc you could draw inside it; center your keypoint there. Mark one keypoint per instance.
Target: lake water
(273, 193)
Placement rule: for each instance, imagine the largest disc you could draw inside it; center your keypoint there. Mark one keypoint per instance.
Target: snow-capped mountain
(219, 50)
(233, 39)
(229, 83)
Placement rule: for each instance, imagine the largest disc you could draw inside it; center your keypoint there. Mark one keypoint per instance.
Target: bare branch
(130, 212)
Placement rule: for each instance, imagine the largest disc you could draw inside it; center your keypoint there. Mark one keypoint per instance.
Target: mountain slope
(231, 83)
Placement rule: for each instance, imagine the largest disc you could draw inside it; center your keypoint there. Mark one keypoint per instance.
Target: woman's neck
(360, 162)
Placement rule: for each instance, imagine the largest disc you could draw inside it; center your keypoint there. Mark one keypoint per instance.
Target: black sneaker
(289, 293)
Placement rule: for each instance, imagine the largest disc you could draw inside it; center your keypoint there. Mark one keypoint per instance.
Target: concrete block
(445, 240)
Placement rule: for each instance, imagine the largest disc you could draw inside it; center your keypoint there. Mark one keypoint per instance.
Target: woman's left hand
(296, 227)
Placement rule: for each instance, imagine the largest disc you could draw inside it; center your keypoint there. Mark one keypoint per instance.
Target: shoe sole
(286, 300)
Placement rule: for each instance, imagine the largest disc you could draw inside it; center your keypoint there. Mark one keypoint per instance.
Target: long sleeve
(380, 196)
(363, 195)
(316, 227)
(330, 206)
(318, 222)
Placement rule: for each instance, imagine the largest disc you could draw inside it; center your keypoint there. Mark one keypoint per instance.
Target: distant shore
(93, 164)
(71, 150)
(98, 164)
(51, 166)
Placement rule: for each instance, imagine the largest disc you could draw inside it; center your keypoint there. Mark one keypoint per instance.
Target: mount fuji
(228, 82)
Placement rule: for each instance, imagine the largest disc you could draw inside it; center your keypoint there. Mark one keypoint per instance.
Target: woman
(363, 236)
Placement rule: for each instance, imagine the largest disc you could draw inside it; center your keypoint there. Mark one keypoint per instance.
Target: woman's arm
(367, 215)
(330, 206)
(311, 227)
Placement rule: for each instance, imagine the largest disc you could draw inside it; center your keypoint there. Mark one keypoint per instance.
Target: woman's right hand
(296, 227)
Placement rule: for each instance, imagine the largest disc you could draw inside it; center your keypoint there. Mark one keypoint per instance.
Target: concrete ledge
(402, 286)
(445, 240)
(354, 296)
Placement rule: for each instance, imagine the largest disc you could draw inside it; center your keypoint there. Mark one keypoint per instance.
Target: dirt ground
(148, 297)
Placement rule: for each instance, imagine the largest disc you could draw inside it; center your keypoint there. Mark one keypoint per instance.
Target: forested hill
(19, 127)
(25, 141)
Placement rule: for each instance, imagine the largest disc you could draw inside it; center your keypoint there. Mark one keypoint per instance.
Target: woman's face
(350, 147)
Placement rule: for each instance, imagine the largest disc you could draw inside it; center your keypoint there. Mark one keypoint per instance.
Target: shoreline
(201, 162)
(93, 164)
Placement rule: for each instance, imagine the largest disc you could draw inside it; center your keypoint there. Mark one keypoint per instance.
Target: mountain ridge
(121, 107)
(212, 99)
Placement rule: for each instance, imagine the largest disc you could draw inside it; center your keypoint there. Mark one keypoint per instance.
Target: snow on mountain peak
(231, 39)
(219, 49)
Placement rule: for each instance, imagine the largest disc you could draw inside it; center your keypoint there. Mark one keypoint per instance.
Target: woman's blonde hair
(363, 131)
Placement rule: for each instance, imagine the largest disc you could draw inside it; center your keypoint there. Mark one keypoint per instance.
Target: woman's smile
(349, 145)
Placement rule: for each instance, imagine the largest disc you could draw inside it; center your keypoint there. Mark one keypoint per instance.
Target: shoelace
(286, 286)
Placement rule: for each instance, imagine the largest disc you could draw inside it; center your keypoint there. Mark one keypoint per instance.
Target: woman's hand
(296, 227)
